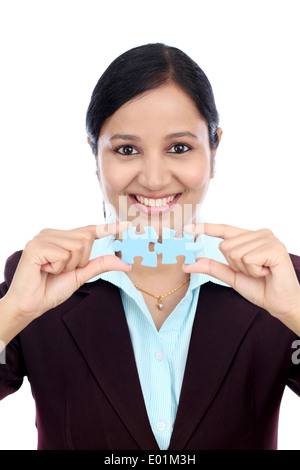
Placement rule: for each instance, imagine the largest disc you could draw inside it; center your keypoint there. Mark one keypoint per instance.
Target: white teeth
(155, 202)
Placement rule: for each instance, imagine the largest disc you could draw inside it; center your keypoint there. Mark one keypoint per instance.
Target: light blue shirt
(160, 355)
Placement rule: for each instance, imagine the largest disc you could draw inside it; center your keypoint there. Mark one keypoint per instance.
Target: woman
(107, 367)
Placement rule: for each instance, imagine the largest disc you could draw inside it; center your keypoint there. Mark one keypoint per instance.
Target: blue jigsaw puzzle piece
(134, 244)
(172, 247)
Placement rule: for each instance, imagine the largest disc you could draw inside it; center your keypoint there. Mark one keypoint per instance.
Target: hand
(259, 268)
(55, 263)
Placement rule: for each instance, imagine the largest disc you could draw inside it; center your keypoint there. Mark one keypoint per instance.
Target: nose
(155, 173)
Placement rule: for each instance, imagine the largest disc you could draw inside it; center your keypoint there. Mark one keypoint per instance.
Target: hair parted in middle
(144, 68)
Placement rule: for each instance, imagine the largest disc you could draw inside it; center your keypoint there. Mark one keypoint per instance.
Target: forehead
(165, 109)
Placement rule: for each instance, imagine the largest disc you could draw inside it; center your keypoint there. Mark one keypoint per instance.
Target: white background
(52, 54)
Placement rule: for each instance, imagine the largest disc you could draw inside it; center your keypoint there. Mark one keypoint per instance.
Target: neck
(159, 279)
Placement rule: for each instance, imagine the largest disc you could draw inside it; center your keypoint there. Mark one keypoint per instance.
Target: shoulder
(232, 305)
(296, 263)
(11, 266)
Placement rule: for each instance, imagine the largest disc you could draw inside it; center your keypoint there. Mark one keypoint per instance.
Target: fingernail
(190, 228)
(124, 225)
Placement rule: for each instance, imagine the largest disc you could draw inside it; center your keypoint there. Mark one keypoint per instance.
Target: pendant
(159, 303)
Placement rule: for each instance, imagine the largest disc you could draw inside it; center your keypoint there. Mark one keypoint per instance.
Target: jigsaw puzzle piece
(172, 247)
(134, 244)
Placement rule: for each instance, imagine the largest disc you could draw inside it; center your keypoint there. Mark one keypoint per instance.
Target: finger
(236, 250)
(247, 236)
(79, 250)
(79, 246)
(196, 228)
(100, 265)
(79, 241)
(111, 229)
(215, 230)
(266, 258)
(50, 258)
(89, 231)
(213, 268)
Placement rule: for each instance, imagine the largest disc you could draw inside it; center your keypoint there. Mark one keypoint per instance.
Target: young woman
(175, 356)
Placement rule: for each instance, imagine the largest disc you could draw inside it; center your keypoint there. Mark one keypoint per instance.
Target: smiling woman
(161, 168)
(143, 357)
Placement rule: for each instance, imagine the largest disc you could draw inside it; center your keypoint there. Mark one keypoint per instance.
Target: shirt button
(160, 426)
(159, 354)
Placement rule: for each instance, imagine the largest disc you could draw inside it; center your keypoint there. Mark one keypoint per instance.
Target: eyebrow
(138, 139)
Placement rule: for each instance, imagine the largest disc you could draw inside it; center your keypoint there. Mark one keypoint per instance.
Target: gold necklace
(161, 297)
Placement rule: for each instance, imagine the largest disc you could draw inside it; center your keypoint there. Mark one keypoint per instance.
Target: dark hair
(144, 68)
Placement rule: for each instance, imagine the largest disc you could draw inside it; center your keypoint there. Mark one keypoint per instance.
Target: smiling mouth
(154, 202)
(157, 202)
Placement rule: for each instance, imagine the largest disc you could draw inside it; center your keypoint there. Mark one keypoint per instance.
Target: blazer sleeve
(12, 367)
(294, 377)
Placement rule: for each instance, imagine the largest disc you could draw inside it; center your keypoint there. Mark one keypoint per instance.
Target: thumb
(213, 268)
(100, 265)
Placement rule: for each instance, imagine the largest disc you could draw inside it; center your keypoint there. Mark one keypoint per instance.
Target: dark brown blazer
(80, 363)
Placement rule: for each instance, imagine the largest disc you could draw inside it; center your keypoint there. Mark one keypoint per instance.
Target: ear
(90, 144)
(219, 131)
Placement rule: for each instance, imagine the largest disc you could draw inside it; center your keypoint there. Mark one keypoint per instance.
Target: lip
(159, 196)
(154, 210)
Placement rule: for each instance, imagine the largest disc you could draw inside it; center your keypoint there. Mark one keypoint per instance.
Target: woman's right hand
(55, 263)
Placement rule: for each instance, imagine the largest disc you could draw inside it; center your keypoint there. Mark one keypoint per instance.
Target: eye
(180, 148)
(127, 150)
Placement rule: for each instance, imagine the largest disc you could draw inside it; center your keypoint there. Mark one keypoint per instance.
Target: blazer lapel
(217, 333)
(99, 328)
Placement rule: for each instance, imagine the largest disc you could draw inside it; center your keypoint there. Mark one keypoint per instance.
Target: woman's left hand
(259, 268)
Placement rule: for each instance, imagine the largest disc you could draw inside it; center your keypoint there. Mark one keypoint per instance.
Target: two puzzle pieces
(134, 244)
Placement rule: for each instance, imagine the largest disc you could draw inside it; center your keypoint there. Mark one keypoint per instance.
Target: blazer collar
(98, 326)
(221, 322)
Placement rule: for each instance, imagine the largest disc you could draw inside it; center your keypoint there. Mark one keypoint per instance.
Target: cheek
(113, 178)
(196, 176)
